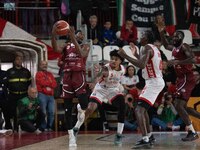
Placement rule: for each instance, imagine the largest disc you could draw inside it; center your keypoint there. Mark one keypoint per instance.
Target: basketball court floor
(94, 141)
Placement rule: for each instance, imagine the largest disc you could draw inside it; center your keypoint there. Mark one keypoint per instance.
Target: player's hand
(133, 48)
(54, 29)
(121, 52)
(91, 85)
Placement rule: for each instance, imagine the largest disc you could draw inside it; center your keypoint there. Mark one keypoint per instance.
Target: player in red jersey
(73, 64)
(182, 62)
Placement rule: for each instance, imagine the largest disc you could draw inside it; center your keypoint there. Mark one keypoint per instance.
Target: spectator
(195, 91)
(94, 31)
(108, 35)
(3, 95)
(129, 81)
(29, 112)
(46, 84)
(166, 114)
(18, 81)
(128, 33)
(160, 21)
(130, 122)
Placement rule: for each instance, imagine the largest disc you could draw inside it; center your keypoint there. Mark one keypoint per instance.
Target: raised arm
(142, 61)
(54, 41)
(164, 39)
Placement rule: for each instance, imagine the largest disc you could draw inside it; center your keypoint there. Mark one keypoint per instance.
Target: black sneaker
(76, 130)
(118, 139)
(142, 143)
(152, 139)
(190, 136)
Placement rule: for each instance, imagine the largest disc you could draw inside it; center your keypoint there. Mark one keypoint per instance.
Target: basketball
(62, 27)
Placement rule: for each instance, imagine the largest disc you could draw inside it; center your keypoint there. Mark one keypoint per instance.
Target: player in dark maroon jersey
(185, 82)
(73, 63)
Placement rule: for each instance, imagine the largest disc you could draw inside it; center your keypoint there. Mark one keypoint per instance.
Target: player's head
(147, 38)
(79, 36)
(178, 38)
(115, 58)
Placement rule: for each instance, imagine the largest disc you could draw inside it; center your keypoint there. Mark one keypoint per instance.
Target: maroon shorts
(74, 83)
(185, 85)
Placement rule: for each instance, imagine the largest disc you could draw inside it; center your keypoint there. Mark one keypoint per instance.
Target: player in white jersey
(150, 62)
(109, 90)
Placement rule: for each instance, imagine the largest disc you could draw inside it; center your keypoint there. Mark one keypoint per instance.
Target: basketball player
(109, 90)
(185, 82)
(73, 64)
(150, 62)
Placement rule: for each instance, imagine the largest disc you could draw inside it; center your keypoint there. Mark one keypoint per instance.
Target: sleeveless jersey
(114, 78)
(72, 60)
(179, 54)
(153, 68)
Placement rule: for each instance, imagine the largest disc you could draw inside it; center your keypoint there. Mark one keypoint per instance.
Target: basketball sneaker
(118, 139)
(6, 132)
(72, 139)
(142, 143)
(152, 140)
(190, 136)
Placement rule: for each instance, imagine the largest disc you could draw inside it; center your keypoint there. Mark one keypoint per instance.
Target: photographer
(167, 114)
(130, 120)
(29, 112)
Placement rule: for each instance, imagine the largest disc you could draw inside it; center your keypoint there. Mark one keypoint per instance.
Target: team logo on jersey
(72, 55)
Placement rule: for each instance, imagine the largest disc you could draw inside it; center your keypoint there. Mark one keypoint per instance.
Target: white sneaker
(6, 132)
(38, 131)
(72, 141)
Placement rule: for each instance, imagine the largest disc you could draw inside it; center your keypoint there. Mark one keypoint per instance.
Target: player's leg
(119, 103)
(180, 106)
(68, 117)
(184, 88)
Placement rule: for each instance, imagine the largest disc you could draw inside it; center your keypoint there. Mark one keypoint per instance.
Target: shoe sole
(185, 140)
(73, 145)
(9, 132)
(142, 146)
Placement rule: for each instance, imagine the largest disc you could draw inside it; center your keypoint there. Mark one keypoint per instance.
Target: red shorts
(74, 83)
(185, 85)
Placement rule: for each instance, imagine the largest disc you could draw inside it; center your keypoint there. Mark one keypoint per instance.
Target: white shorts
(106, 95)
(152, 89)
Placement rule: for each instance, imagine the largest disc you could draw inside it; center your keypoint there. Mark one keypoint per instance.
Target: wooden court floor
(94, 141)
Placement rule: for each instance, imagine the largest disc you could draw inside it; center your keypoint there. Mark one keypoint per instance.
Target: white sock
(145, 138)
(70, 132)
(149, 134)
(191, 128)
(120, 128)
(80, 121)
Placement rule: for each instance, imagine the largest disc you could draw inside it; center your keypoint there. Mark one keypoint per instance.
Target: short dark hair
(150, 36)
(181, 32)
(115, 53)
